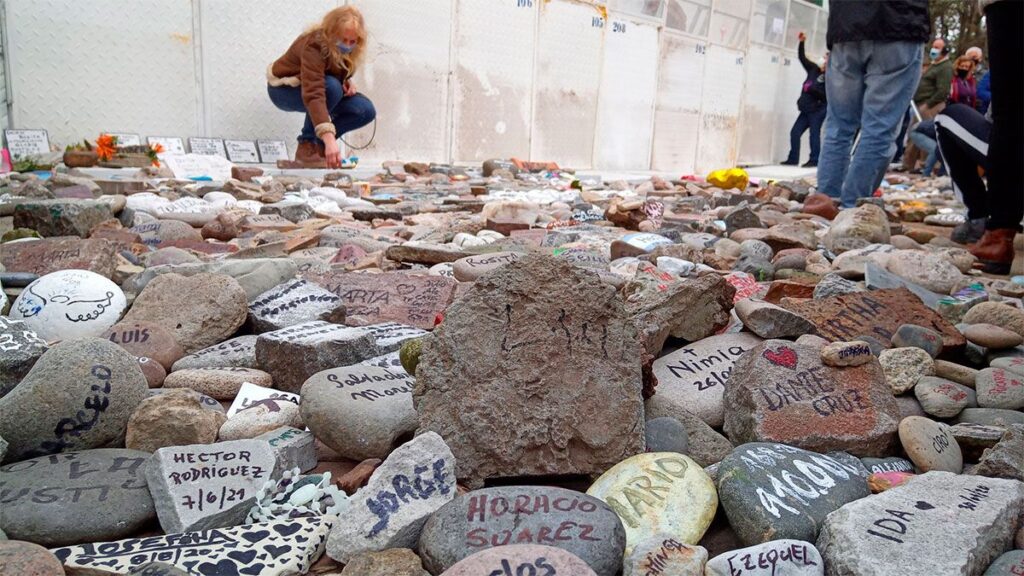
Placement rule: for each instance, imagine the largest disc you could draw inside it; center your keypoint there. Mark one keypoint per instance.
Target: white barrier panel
(757, 123)
(677, 114)
(690, 16)
(569, 41)
(628, 88)
(768, 22)
(720, 108)
(406, 76)
(79, 68)
(791, 80)
(234, 65)
(494, 48)
(730, 23)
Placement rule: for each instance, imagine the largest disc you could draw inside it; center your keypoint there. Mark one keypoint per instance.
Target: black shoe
(810, 164)
(788, 163)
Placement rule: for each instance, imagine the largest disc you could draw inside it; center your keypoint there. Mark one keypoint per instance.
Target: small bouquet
(114, 156)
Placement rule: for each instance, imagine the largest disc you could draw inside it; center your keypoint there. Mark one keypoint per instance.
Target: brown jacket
(308, 60)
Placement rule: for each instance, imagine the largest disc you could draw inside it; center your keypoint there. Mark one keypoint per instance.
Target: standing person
(315, 77)
(1006, 147)
(812, 105)
(964, 89)
(932, 93)
(873, 69)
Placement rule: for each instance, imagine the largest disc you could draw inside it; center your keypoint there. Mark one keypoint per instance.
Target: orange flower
(157, 147)
(106, 146)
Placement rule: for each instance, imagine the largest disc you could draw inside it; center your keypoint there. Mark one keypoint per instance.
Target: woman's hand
(350, 88)
(801, 36)
(332, 152)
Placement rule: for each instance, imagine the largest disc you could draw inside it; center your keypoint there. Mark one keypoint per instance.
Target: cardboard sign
(126, 139)
(207, 147)
(272, 150)
(242, 151)
(188, 166)
(172, 145)
(24, 143)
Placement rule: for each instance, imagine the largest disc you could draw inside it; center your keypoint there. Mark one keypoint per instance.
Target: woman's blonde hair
(967, 60)
(331, 28)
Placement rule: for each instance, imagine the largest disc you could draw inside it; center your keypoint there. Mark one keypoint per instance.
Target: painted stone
(937, 523)
(278, 548)
(930, 445)
(495, 517)
(75, 497)
(775, 558)
(522, 559)
(204, 486)
(659, 493)
(894, 464)
(773, 491)
(69, 304)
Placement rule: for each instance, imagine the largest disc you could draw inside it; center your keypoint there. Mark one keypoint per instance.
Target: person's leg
(962, 142)
(289, 99)
(844, 82)
(334, 93)
(892, 70)
(931, 147)
(795, 133)
(902, 138)
(352, 112)
(920, 142)
(815, 120)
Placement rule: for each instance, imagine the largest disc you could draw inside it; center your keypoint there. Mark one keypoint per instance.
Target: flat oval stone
(359, 411)
(76, 497)
(992, 336)
(930, 445)
(237, 352)
(69, 304)
(1011, 363)
(219, 383)
(491, 517)
(942, 398)
(1000, 388)
(521, 559)
(147, 340)
(771, 491)
(956, 372)
(470, 268)
(914, 336)
(776, 558)
(990, 416)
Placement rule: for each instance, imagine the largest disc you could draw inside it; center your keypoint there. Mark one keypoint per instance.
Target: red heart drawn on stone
(784, 356)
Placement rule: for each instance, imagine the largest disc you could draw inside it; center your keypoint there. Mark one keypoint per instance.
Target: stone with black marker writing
(842, 354)
(69, 304)
(784, 557)
(661, 555)
(294, 302)
(930, 445)
(521, 560)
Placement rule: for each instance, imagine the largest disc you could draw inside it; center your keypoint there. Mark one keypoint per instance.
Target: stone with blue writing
(69, 304)
(202, 486)
(294, 302)
(239, 352)
(78, 395)
(519, 559)
(500, 516)
(75, 497)
(277, 548)
(936, 523)
(930, 445)
(360, 411)
(785, 557)
(696, 374)
(294, 448)
(661, 555)
(20, 348)
(891, 464)
(841, 354)
(780, 391)
(774, 491)
(414, 481)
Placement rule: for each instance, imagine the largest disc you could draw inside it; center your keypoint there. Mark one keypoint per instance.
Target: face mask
(344, 48)
(961, 73)
(934, 53)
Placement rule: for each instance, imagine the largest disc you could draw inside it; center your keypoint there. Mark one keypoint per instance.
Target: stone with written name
(840, 354)
(79, 395)
(776, 558)
(659, 493)
(893, 464)
(930, 445)
(69, 304)
(773, 491)
(75, 497)
(294, 448)
(1000, 388)
(359, 411)
(294, 302)
(410, 299)
(158, 232)
(781, 392)
(661, 555)
(696, 374)
(237, 352)
(277, 548)
(201, 486)
(20, 348)
(493, 517)
(147, 340)
(470, 268)
(521, 559)
(389, 512)
(878, 313)
(936, 523)
(52, 254)
(941, 398)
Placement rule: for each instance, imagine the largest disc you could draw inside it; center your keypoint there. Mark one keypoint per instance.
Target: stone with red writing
(1012, 363)
(781, 392)
(174, 418)
(78, 395)
(555, 390)
(904, 367)
(770, 321)
(664, 555)
(521, 559)
(937, 523)
(942, 398)
(410, 299)
(219, 383)
(259, 418)
(1000, 388)
(1009, 564)
(75, 497)
(202, 486)
(785, 557)
(470, 268)
(494, 517)
(771, 491)
(28, 559)
(930, 445)
(146, 339)
(696, 374)
(52, 254)
(21, 349)
(359, 411)
(910, 335)
(294, 302)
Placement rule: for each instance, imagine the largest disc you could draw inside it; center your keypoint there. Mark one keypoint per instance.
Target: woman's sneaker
(969, 232)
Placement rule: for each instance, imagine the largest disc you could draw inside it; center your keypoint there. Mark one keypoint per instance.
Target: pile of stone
(508, 371)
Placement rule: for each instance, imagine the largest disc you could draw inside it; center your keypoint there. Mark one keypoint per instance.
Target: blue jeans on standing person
(870, 84)
(812, 120)
(347, 112)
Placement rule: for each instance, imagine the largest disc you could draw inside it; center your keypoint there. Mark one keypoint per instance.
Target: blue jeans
(930, 146)
(806, 120)
(869, 84)
(347, 112)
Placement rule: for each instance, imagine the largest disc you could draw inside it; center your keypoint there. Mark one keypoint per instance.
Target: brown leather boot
(309, 154)
(995, 251)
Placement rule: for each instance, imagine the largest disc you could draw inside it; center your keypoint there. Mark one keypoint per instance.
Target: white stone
(69, 304)
(775, 558)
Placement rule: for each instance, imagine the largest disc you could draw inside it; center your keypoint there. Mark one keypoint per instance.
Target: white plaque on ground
(198, 166)
(207, 147)
(171, 144)
(250, 393)
(126, 139)
(242, 151)
(272, 150)
(23, 143)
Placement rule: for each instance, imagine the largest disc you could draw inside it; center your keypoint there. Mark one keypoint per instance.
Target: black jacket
(884, 20)
(812, 95)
